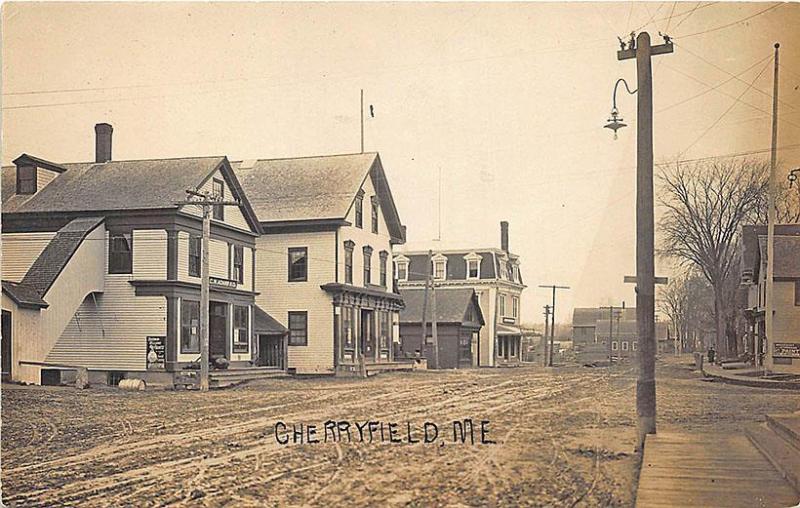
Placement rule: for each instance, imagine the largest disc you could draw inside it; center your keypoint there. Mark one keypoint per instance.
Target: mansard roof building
(495, 276)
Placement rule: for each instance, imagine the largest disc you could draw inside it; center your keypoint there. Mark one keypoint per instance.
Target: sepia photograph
(403, 254)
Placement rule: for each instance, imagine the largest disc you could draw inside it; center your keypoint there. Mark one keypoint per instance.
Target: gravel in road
(562, 437)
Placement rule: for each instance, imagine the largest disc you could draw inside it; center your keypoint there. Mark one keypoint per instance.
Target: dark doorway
(5, 353)
(217, 329)
(271, 350)
(368, 345)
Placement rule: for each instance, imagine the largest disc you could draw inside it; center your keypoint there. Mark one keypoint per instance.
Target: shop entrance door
(217, 329)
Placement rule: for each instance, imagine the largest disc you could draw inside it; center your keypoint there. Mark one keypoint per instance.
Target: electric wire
(728, 25)
(738, 100)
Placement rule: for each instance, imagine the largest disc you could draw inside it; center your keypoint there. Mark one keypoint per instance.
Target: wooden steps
(232, 377)
(778, 440)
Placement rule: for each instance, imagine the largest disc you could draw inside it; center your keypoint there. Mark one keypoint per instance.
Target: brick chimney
(504, 235)
(102, 143)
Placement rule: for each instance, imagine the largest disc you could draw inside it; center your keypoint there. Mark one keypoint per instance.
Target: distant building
(780, 353)
(495, 276)
(458, 324)
(622, 331)
(584, 323)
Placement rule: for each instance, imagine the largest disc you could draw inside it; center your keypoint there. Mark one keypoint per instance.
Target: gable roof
(51, 261)
(589, 316)
(121, 185)
(451, 305)
(321, 188)
(787, 246)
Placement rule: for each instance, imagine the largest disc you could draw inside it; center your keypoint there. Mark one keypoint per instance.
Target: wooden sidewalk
(709, 470)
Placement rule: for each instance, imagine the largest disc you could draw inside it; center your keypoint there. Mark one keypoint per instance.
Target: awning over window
(508, 330)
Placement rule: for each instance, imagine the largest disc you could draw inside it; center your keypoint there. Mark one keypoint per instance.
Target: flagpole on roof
(362, 120)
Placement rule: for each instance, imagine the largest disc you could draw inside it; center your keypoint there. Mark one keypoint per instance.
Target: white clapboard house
(101, 265)
(494, 274)
(325, 268)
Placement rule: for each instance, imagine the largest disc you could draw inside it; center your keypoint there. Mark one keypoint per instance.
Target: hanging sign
(216, 281)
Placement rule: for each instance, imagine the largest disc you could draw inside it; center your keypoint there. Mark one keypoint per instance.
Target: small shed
(458, 323)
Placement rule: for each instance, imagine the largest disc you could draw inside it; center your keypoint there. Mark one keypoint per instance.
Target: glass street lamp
(616, 122)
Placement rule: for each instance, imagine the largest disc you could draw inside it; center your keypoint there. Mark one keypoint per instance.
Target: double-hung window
(374, 214)
(349, 245)
(298, 264)
(367, 265)
(238, 264)
(298, 328)
(359, 206)
(384, 257)
(120, 252)
(218, 189)
(195, 250)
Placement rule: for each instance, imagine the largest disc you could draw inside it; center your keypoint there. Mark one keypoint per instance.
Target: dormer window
(439, 267)
(515, 272)
(26, 180)
(401, 267)
(473, 262)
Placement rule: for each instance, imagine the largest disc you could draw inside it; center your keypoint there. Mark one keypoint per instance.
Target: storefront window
(241, 329)
(190, 326)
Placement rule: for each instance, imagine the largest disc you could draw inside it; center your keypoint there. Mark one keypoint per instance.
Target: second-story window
(238, 264)
(298, 264)
(359, 206)
(120, 252)
(367, 265)
(218, 189)
(502, 305)
(384, 257)
(374, 214)
(349, 245)
(514, 306)
(195, 250)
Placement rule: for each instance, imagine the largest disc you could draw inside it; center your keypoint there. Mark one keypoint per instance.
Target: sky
(506, 101)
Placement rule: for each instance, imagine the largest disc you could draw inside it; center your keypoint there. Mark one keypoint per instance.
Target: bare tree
(687, 302)
(705, 204)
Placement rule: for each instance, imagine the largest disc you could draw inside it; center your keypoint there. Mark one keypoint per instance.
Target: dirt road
(562, 438)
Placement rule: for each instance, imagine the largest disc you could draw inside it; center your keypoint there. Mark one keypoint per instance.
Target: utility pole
(553, 327)
(645, 262)
(771, 218)
(206, 201)
(434, 332)
(546, 332)
(424, 339)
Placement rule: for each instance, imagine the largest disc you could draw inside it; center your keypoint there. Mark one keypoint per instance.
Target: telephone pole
(206, 201)
(771, 217)
(553, 313)
(424, 336)
(611, 313)
(645, 263)
(546, 332)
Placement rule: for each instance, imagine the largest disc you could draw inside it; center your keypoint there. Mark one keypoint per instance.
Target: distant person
(711, 354)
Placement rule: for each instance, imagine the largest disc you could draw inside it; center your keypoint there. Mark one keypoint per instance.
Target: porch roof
(265, 324)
